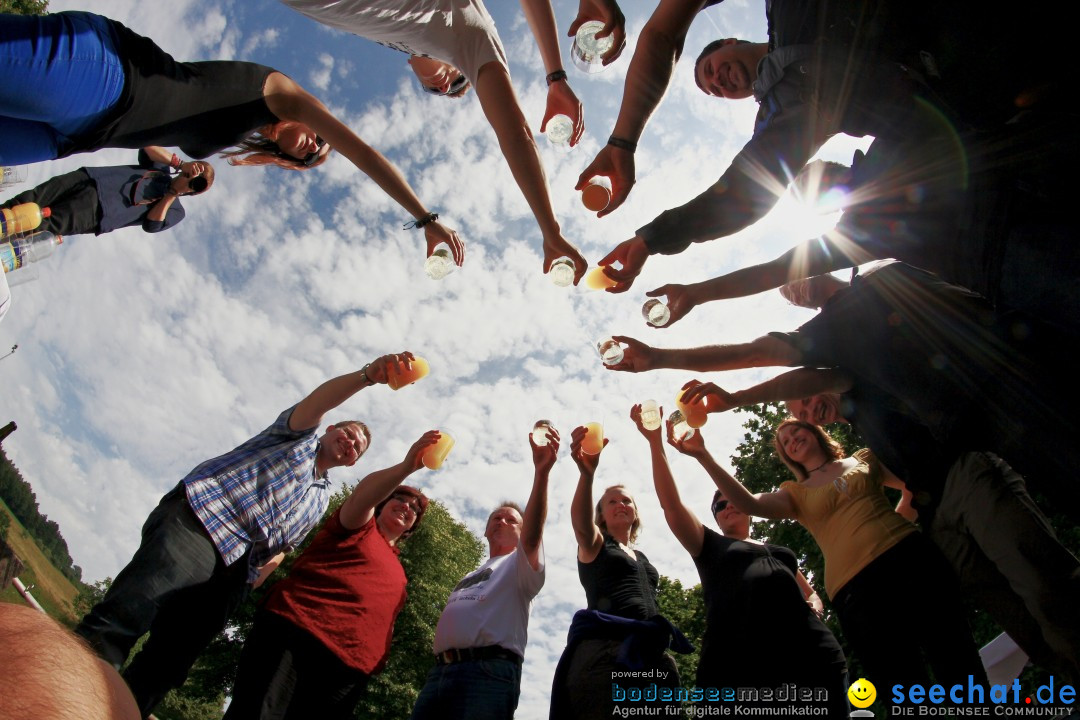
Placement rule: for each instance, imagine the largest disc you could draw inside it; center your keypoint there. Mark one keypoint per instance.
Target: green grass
(52, 589)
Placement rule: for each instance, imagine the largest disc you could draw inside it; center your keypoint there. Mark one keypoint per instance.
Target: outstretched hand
(436, 233)
(650, 435)
(586, 463)
(561, 100)
(414, 458)
(714, 397)
(617, 165)
(692, 444)
(544, 455)
(637, 356)
(560, 247)
(607, 12)
(380, 367)
(681, 299)
(631, 255)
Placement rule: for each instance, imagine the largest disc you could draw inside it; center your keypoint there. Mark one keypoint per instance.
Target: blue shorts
(62, 76)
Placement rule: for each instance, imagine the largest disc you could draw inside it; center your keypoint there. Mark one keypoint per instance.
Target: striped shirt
(263, 495)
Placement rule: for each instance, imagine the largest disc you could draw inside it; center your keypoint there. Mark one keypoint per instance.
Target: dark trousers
(902, 614)
(73, 199)
(286, 673)
(176, 587)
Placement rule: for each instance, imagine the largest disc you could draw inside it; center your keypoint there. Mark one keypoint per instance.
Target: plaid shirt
(263, 495)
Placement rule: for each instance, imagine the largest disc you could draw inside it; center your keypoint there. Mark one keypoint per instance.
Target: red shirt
(346, 589)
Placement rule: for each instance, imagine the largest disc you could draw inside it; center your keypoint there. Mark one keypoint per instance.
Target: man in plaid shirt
(204, 544)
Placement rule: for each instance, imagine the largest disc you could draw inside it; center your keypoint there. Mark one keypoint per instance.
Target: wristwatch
(364, 376)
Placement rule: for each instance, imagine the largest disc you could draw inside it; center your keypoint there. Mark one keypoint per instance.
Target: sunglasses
(459, 82)
(312, 157)
(719, 505)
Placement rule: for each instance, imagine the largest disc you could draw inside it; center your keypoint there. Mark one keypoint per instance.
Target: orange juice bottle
(435, 454)
(22, 218)
(597, 194)
(695, 413)
(398, 379)
(597, 279)
(593, 442)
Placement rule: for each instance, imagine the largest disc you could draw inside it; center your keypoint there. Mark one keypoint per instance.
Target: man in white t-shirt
(481, 635)
(453, 43)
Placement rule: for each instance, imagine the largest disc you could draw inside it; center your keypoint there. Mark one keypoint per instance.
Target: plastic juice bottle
(695, 413)
(398, 379)
(593, 442)
(597, 279)
(19, 251)
(22, 218)
(435, 454)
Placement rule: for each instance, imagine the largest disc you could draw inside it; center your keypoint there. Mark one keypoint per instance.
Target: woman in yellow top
(896, 599)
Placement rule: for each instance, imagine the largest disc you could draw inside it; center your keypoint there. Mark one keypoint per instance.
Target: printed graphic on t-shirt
(470, 580)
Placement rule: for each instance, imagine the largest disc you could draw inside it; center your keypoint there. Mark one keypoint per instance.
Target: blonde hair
(830, 447)
(602, 524)
(257, 149)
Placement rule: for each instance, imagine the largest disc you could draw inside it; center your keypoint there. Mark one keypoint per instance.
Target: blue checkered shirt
(263, 495)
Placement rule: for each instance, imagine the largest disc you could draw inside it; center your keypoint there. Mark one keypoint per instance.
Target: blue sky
(140, 356)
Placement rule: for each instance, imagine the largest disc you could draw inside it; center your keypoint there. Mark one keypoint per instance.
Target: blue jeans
(176, 587)
(62, 76)
(471, 690)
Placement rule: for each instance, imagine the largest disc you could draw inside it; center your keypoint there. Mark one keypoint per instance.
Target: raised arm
(309, 412)
(503, 113)
(775, 505)
(658, 50)
(561, 99)
(766, 351)
(794, 385)
(683, 523)
(588, 535)
(532, 521)
(373, 489)
(810, 595)
(289, 101)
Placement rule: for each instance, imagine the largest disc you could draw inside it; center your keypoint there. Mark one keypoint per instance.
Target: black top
(616, 584)
(759, 629)
(200, 107)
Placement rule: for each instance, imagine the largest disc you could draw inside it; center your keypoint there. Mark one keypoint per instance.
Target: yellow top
(850, 518)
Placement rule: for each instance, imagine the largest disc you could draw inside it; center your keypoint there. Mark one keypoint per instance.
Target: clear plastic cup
(560, 129)
(434, 455)
(593, 442)
(655, 313)
(650, 415)
(587, 51)
(597, 194)
(562, 272)
(597, 279)
(610, 351)
(680, 429)
(439, 264)
(539, 432)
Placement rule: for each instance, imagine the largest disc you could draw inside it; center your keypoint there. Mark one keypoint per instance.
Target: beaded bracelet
(426, 220)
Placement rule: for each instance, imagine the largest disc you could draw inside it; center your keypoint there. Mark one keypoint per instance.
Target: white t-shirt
(490, 606)
(460, 32)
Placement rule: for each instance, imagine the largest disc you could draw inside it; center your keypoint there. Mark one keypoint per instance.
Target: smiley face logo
(862, 693)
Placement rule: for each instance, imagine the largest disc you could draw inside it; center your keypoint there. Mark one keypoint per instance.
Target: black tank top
(616, 584)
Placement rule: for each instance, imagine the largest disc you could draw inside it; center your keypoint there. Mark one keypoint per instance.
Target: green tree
(24, 7)
(685, 608)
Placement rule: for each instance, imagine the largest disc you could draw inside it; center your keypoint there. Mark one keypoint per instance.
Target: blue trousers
(61, 77)
(471, 690)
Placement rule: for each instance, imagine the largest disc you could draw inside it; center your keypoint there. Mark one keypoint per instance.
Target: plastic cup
(597, 279)
(593, 442)
(587, 51)
(680, 429)
(597, 194)
(560, 129)
(540, 431)
(610, 351)
(695, 412)
(655, 312)
(650, 415)
(435, 454)
(562, 272)
(398, 379)
(439, 264)
(12, 175)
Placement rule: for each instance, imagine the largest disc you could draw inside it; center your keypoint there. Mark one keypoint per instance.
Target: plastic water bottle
(439, 264)
(17, 252)
(22, 218)
(655, 313)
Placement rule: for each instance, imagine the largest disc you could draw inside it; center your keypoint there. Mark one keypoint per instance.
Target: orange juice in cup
(597, 279)
(593, 442)
(695, 413)
(597, 194)
(398, 379)
(435, 454)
